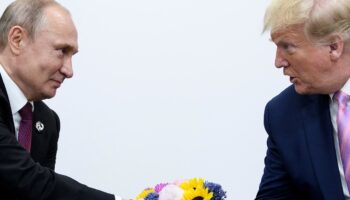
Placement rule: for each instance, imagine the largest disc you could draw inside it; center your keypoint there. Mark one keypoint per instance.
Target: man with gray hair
(37, 41)
(308, 124)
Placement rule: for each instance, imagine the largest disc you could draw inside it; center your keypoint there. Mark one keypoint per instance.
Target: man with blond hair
(37, 41)
(308, 124)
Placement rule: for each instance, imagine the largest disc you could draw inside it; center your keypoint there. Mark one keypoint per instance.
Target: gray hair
(25, 13)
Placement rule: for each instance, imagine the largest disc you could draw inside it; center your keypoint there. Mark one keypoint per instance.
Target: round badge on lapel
(39, 126)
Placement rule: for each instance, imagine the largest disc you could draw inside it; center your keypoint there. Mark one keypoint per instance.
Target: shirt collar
(15, 95)
(345, 88)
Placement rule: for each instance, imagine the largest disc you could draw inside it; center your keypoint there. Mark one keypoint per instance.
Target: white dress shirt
(333, 106)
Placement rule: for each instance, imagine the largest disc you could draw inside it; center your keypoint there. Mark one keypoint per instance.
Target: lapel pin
(39, 126)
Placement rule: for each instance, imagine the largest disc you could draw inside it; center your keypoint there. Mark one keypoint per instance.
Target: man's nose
(280, 61)
(67, 68)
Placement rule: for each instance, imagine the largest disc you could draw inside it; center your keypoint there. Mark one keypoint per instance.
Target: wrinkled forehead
(293, 31)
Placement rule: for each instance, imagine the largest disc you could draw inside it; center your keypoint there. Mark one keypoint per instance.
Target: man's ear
(16, 39)
(336, 47)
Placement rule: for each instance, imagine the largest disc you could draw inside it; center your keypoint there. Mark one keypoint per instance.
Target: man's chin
(302, 90)
(47, 95)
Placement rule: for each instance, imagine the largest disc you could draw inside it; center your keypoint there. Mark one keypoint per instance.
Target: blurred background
(166, 90)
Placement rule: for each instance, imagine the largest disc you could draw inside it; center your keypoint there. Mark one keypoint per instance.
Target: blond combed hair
(283, 13)
(321, 18)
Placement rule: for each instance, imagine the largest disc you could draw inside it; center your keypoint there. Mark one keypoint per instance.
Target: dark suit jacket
(31, 176)
(301, 158)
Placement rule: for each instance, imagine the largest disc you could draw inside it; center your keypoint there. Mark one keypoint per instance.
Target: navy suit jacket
(301, 160)
(31, 176)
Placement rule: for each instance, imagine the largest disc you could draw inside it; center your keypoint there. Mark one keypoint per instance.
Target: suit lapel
(319, 137)
(39, 133)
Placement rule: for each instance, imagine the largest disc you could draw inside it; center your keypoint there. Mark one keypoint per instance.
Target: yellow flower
(194, 190)
(144, 193)
(197, 194)
(192, 184)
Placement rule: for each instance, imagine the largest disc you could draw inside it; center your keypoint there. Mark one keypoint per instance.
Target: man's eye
(62, 50)
(286, 46)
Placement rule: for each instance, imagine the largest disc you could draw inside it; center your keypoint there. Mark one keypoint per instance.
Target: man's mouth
(57, 83)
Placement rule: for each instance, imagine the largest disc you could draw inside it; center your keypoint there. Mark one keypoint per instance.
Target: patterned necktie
(25, 127)
(343, 123)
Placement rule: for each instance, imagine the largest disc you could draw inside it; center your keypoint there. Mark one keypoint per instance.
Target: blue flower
(152, 196)
(218, 192)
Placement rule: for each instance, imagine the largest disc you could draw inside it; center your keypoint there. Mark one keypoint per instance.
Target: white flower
(171, 192)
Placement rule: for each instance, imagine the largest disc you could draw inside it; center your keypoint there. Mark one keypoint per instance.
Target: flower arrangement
(192, 189)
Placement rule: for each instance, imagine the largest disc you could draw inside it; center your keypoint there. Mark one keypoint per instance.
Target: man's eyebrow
(279, 40)
(68, 46)
(276, 40)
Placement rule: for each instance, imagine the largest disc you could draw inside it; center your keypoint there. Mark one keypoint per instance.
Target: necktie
(25, 127)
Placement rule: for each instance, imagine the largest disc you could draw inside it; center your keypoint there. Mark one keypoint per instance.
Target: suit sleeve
(275, 183)
(31, 181)
(51, 155)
